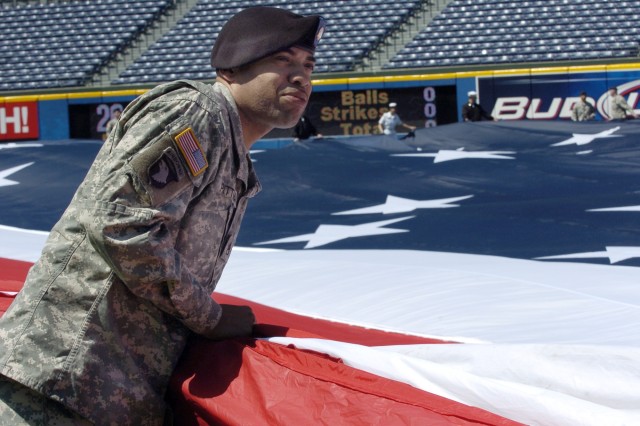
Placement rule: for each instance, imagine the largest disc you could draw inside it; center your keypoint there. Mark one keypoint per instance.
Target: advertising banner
(19, 120)
(553, 96)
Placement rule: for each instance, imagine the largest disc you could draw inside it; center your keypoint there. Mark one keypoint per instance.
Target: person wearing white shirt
(390, 120)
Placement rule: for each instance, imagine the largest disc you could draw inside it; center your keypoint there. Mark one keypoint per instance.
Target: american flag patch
(191, 151)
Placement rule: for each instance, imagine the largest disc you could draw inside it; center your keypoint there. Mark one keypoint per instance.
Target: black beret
(256, 32)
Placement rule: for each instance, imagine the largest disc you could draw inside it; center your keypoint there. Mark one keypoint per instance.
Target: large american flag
(522, 236)
(529, 190)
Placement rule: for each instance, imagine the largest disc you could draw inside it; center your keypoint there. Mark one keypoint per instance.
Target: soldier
(583, 110)
(128, 272)
(618, 107)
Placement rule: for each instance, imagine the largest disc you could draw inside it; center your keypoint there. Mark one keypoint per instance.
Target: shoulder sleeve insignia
(191, 151)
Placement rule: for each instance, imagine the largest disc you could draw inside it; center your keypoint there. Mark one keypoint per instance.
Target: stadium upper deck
(502, 31)
(67, 43)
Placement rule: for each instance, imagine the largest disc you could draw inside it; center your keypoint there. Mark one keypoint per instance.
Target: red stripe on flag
(190, 147)
(14, 272)
(215, 382)
(275, 322)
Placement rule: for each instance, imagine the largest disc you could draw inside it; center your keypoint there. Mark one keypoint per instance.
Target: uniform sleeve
(485, 114)
(134, 205)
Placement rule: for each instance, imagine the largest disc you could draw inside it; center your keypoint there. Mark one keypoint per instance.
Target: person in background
(473, 111)
(111, 124)
(583, 110)
(127, 273)
(390, 120)
(619, 109)
(305, 129)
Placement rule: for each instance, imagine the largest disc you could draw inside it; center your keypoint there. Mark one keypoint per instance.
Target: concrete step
(123, 60)
(397, 40)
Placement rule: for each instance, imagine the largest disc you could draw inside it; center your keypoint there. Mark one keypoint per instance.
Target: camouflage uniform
(583, 111)
(20, 405)
(128, 271)
(618, 108)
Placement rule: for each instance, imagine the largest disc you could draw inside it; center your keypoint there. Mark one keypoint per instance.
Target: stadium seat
(84, 36)
(356, 28)
(57, 31)
(532, 30)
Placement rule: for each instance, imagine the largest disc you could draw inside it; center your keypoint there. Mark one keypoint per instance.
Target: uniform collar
(246, 172)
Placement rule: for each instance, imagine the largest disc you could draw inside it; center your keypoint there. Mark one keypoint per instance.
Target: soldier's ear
(227, 75)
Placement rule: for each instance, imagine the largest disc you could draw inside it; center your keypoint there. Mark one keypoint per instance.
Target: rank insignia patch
(191, 151)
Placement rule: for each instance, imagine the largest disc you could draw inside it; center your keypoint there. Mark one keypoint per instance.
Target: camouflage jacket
(128, 271)
(619, 108)
(583, 111)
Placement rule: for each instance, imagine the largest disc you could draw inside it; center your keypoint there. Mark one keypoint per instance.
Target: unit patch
(191, 151)
(163, 171)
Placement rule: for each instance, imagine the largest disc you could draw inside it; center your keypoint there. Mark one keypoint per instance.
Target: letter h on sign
(19, 121)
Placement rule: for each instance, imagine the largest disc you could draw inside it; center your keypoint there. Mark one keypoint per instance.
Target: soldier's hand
(236, 321)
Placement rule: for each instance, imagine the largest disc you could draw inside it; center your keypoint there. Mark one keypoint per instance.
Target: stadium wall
(352, 106)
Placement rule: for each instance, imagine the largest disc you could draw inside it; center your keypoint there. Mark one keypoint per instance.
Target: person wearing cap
(127, 274)
(583, 110)
(619, 109)
(390, 120)
(473, 111)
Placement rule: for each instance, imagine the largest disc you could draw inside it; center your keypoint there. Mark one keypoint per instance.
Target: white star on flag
(617, 209)
(9, 172)
(326, 234)
(11, 145)
(613, 253)
(461, 154)
(583, 139)
(403, 205)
